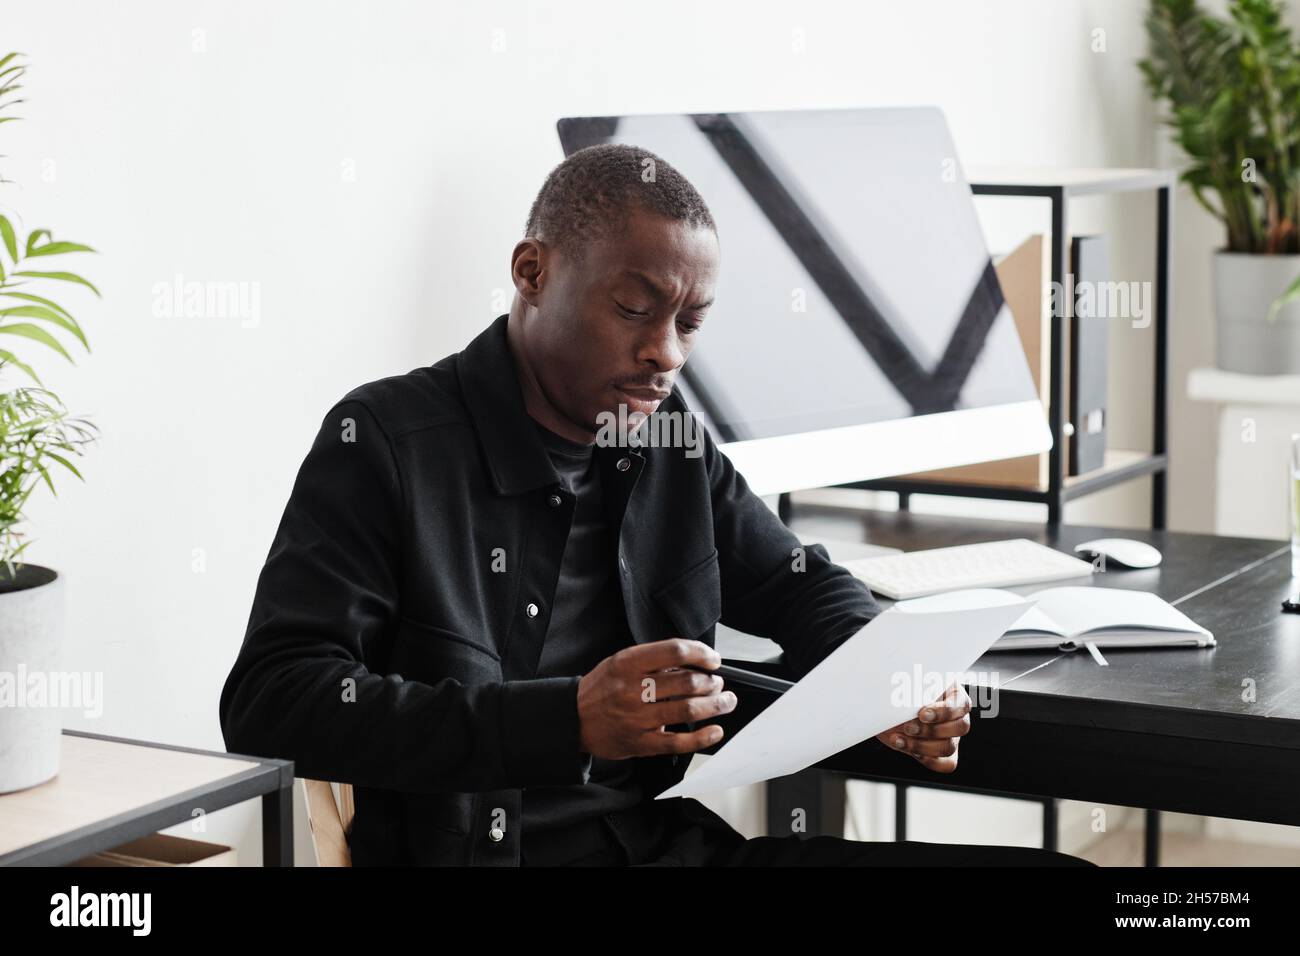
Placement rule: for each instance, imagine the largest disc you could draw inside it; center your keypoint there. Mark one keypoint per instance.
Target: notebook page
(1033, 621)
(1079, 610)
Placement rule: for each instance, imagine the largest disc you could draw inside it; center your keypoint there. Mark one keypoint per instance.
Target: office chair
(329, 815)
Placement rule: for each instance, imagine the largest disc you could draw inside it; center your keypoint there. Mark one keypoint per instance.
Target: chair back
(329, 814)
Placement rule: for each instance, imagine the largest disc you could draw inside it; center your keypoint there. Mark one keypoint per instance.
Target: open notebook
(1104, 617)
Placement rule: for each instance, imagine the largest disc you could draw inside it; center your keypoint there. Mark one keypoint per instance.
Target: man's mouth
(641, 399)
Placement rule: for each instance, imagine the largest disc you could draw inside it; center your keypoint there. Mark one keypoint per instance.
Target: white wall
(368, 167)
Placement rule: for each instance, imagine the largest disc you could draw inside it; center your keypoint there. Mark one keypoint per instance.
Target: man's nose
(661, 347)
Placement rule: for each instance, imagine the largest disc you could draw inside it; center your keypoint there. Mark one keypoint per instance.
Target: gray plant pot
(31, 644)
(1245, 286)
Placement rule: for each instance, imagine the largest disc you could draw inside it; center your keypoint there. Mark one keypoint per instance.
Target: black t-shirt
(588, 623)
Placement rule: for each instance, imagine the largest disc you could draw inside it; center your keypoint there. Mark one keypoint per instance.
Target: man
(499, 628)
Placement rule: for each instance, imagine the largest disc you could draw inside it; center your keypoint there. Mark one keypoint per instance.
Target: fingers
(660, 742)
(674, 652)
(945, 764)
(949, 728)
(933, 737)
(953, 705)
(923, 746)
(665, 685)
(650, 688)
(690, 709)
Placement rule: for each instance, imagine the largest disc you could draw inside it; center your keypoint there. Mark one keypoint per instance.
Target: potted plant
(37, 438)
(1232, 92)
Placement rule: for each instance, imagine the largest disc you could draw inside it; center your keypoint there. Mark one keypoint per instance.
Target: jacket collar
(517, 460)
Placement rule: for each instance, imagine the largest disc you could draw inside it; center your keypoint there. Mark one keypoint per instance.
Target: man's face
(615, 325)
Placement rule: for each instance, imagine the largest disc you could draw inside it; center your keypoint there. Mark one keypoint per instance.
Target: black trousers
(696, 836)
(835, 851)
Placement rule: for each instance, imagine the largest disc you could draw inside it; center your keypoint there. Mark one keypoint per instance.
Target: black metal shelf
(1074, 486)
(1058, 186)
(267, 777)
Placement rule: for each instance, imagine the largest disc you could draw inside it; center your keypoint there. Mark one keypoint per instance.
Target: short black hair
(592, 193)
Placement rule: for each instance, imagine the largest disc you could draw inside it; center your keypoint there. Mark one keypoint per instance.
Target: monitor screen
(855, 284)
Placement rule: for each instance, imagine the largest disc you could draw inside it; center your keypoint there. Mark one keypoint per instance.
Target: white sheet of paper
(877, 679)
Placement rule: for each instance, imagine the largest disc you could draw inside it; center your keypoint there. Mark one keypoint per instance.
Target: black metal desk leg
(1151, 839)
(808, 803)
(1160, 414)
(1050, 823)
(277, 826)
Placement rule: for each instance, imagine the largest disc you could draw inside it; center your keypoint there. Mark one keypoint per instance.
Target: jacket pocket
(693, 599)
(428, 653)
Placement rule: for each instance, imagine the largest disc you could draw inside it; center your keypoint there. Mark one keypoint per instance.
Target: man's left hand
(932, 737)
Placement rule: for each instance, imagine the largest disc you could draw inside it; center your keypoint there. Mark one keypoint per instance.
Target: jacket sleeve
(326, 602)
(774, 586)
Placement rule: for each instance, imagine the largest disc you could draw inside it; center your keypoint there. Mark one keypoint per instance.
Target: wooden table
(110, 790)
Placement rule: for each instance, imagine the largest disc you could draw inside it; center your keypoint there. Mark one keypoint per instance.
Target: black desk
(1212, 731)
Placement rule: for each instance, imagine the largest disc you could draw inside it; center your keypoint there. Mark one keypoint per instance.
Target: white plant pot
(31, 648)
(1245, 285)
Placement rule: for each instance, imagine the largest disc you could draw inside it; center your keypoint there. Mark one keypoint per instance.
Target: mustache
(658, 385)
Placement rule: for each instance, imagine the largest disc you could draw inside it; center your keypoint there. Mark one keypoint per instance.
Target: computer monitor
(858, 329)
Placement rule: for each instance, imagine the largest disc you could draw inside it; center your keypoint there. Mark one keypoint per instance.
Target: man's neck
(537, 404)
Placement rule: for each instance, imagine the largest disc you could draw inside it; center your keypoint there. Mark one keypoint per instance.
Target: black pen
(750, 678)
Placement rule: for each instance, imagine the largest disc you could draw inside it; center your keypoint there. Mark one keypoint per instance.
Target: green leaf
(10, 240)
(64, 462)
(46, 475)
(55, 248)
(36, 333)
(28, 297)
(13, 360)
(60, 276)
(1290, 295)
(64, 320)
(35, 238)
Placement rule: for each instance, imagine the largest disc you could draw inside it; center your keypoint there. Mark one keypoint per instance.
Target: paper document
(877, 679)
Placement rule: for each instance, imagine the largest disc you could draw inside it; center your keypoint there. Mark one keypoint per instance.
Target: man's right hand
(628, 699)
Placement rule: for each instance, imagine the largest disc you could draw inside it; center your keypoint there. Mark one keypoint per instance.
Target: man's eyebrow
(646, 281)
(659, 293)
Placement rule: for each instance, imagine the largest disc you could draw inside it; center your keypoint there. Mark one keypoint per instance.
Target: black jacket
(396, 629)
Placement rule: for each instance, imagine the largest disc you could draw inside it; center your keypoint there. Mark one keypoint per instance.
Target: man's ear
(528, 269)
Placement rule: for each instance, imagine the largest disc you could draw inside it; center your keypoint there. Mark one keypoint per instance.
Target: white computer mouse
(1122, 551)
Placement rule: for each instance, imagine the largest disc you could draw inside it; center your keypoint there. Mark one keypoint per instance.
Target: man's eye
(689, 329)
(630, 311)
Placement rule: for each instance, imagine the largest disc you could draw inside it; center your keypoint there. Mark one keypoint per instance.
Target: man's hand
(627, 700)
(932, 737)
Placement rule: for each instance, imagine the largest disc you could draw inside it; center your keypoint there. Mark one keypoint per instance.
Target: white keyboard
(991, 564)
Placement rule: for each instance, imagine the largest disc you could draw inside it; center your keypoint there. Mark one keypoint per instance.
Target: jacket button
(623, 464)
(496, 834)
(531, 610)
(553, 501)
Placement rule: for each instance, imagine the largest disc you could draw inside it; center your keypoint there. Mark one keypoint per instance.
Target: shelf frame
(1060, 487)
